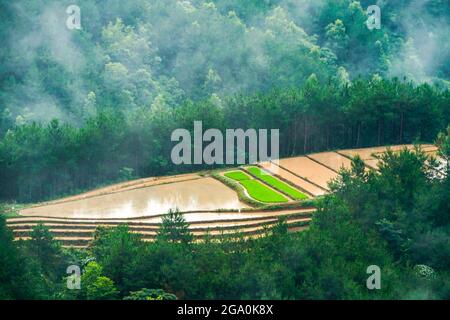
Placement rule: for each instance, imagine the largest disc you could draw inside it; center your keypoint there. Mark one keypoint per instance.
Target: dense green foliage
(174, 228)
(397, 219)
(150, 294)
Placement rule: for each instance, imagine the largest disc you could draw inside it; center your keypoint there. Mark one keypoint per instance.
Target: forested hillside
(82, 108)
(70, 99)
(396, 219)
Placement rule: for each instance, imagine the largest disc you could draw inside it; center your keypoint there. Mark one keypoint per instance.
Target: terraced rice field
(309, 170)
(128, 185)
(331, 160)
(79, 232)
(261, 193)
(255, 189)
(237, 175)
(369, 155)
(209, 206)
(191, 195)
(302, 184)
(276, 183)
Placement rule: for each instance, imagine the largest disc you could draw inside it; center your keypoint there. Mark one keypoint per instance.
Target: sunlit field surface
(196, 195)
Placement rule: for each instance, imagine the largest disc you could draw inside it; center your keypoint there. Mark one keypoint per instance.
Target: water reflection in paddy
(200, 194)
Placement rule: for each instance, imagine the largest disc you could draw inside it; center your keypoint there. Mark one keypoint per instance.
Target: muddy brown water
(302, 184)
(332, 160)
(307, 168)
(127, 185)
(155, 196)
(200, 194)
(368, 153)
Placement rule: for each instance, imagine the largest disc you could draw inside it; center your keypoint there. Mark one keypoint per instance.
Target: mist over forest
(156, 54)
(136, 71)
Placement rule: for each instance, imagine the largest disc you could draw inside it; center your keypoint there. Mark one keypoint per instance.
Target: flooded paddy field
(80, 232)
(308, 187)
(129, 185)
(191, 192)
(368, 155)
(193, 218)
(332, 160)
(208, 204)
(372, 163)
(198, 194)
(223, 216)
(309, 170)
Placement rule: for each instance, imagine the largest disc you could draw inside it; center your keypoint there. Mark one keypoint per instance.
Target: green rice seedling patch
(276, 183)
